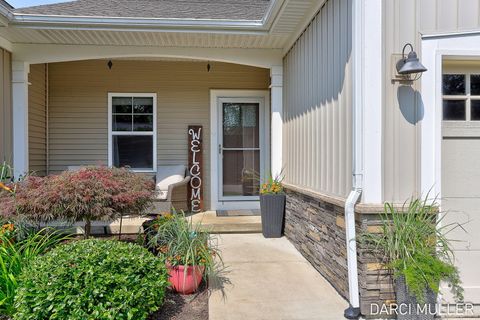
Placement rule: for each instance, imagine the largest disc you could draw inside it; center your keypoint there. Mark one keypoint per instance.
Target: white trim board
(154, 134)
(49, 53)
(434, 50)
(215, 95)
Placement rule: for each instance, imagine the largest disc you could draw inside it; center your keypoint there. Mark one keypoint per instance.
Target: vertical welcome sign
(195, 167)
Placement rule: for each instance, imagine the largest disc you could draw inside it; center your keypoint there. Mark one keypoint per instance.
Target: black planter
(409, 302)
(272, 207)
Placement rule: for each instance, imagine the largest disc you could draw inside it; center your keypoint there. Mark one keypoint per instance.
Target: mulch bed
(184, 307)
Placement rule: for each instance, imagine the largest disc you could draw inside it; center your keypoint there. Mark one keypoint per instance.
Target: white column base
(20, 72)
(276, 87)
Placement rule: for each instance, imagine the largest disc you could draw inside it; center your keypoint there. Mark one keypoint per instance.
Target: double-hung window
(132, 131)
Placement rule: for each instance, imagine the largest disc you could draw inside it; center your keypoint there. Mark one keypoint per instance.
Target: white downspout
(47, 123)
(353, 311)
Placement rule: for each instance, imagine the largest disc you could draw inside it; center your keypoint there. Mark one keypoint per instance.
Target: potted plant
(189, 253)
(250, 182)
(272, 207)
(412, 244)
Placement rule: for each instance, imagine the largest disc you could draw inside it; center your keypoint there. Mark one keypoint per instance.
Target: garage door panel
(462, 158)
(464, 211)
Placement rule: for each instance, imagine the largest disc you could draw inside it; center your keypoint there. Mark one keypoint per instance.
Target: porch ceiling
(275, 31)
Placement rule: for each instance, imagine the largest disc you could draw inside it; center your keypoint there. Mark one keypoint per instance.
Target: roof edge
(68, 22)
(6, 14)
(129, 23)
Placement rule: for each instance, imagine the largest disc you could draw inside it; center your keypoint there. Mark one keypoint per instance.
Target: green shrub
(92, 279)
(16, 254)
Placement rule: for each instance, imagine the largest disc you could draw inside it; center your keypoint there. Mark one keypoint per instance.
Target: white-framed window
(132, 131)
(461, 96)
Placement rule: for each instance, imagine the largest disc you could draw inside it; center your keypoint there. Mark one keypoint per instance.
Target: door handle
(219, 149)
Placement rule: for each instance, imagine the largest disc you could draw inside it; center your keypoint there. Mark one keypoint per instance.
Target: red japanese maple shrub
(91, 193)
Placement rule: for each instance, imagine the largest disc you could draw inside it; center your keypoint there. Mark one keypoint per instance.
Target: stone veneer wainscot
(315, 224)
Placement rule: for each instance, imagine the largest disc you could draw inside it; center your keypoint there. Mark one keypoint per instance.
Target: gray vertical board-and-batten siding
(6, 120)
(317, 103)
(405, 21)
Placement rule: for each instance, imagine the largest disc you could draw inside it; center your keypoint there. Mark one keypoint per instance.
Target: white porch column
(276, 87)
(20, 70)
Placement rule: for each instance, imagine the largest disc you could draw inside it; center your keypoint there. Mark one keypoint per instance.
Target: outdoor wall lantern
(409, 68)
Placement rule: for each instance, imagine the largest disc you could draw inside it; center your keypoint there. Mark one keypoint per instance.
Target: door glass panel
(454, 110)
(241, 125)
(241, 172)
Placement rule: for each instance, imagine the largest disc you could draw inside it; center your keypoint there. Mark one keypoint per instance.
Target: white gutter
(35, 19)
(47, 122)
(353, 311)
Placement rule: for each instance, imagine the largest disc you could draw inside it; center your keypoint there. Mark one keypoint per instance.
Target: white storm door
(241, 159)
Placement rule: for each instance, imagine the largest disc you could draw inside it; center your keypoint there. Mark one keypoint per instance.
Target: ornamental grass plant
(181, 243)
(413, 243)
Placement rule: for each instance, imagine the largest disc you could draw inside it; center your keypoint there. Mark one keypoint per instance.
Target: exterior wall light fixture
(409, 68)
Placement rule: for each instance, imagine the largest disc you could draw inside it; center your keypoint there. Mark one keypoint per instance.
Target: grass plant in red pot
(190, 255)
(272, 207)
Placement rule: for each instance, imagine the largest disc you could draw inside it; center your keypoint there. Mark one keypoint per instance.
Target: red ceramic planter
(185, 282)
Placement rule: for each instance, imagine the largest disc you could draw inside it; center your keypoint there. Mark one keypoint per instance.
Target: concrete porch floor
(270, 279)
(235, 224)
(208, 219)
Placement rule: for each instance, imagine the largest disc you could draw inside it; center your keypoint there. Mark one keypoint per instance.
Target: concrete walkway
(271, 280)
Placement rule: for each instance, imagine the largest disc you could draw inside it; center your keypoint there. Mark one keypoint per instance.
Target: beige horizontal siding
(317, 103)
(6, 142)
(78, 109)
(37, 120)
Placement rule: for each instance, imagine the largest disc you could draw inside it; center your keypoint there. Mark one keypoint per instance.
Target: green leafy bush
(16, 254)
(92, 279)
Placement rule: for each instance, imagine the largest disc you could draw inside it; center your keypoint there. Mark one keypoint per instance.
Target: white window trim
(154, 133)
(435, 48)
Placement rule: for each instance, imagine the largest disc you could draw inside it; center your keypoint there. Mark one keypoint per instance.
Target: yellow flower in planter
(272, 186)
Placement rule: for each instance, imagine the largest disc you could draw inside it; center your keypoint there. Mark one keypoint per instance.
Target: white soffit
(281, 21)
